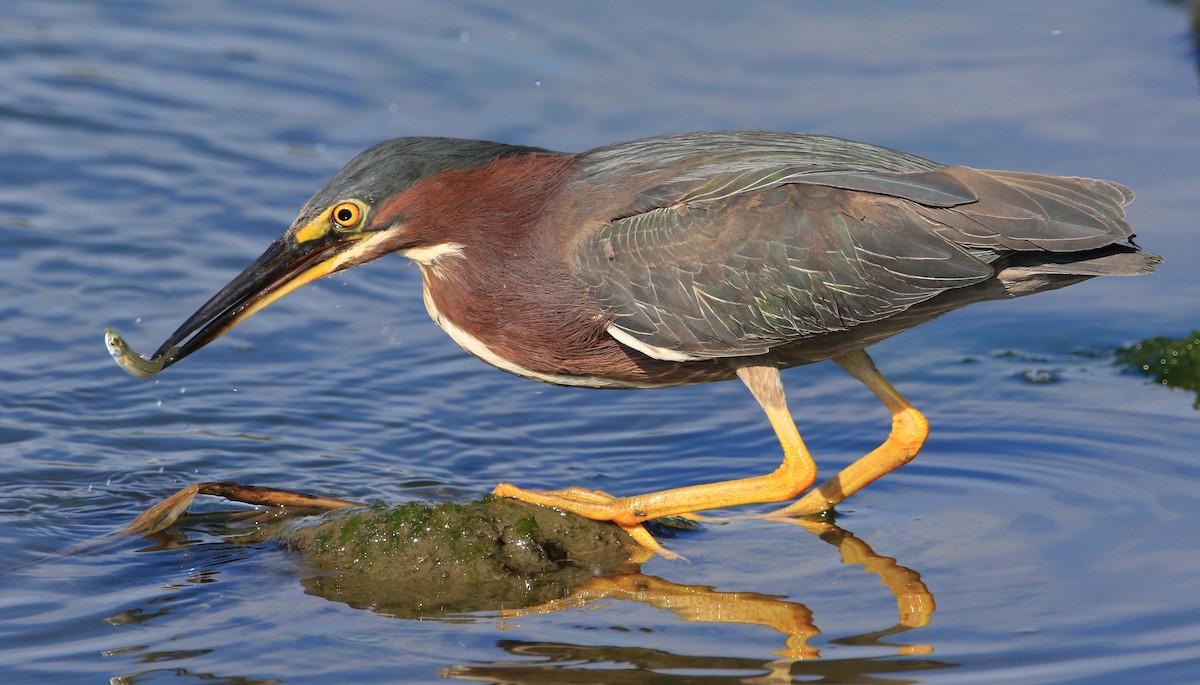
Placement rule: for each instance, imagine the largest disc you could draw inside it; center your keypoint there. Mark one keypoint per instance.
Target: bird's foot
(592, 504)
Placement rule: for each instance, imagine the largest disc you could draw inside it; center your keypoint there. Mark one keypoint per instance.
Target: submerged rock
(420, 559)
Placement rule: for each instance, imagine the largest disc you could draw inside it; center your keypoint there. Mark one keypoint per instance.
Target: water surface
(151, 149)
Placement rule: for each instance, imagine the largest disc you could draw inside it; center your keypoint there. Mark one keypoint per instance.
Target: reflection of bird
(687, 259)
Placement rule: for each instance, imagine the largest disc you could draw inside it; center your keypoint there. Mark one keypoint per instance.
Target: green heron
(687, 259)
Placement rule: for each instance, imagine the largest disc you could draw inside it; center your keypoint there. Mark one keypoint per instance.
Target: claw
(643, 537)
(593, 504)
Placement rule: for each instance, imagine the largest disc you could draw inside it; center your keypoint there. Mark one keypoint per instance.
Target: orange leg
(796, 474)
(909, 430)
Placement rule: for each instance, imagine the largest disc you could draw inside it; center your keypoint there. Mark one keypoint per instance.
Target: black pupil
(344, 215)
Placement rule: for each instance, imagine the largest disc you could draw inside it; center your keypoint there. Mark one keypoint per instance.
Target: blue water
(151, 149)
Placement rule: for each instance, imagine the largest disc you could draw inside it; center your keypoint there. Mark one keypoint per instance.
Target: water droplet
(464, 36)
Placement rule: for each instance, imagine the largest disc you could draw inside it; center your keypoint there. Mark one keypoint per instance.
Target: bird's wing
(1031, 212)
(747, 260)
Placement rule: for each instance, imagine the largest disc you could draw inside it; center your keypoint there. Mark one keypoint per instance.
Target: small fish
(134, 364)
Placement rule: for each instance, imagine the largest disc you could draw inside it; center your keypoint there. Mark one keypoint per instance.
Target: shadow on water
(488, 559)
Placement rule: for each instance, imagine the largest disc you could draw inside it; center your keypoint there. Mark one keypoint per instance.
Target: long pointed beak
(282, 268)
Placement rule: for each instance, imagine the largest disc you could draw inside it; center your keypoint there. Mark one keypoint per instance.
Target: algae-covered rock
(420, 559)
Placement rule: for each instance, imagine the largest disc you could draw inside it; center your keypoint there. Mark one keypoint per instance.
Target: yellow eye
(346, 215)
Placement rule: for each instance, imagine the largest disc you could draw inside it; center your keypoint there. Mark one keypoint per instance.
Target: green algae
(1173, 362)
(419, 559)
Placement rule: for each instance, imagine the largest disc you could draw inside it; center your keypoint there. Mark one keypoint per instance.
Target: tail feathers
(1033, 272)
(1119, 260)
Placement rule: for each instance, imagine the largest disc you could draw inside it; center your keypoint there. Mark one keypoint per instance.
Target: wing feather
(745, 241)
(752, 271)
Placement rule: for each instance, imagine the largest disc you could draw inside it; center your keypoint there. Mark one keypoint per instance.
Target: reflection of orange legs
(909, 430)
(794, 475)
(695, 604)
(795, 620)
(913, 599)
